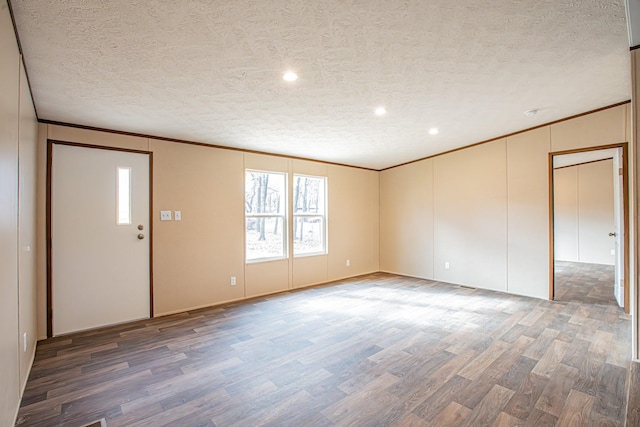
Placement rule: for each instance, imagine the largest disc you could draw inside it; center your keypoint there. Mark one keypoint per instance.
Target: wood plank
(412, 420)
(486, 412)
(551, 359)
(524, 400)
(576, 409)
(478, 365)
(506, 420)
(633, 404)
(452, 415)
(610, 396)
(554, 396)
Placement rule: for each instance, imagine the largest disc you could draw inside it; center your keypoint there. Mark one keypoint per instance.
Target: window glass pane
(308, 194)
(308, 235)
(265, 238)
(264, 192)
(309, 215)
(124, 196)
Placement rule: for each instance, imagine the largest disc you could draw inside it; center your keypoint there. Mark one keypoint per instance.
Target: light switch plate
(177, 215)
(165, 215)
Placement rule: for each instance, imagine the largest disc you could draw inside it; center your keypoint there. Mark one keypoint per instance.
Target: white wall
(584, 213)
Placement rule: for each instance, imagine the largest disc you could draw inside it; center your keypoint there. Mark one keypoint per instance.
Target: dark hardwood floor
(582, 282)
(379, 350)
(633, 412)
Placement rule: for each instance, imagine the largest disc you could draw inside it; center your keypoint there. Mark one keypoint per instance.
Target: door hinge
(619, 171)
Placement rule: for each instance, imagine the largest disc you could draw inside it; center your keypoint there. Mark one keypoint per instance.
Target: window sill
(263, 260)
(311, 254)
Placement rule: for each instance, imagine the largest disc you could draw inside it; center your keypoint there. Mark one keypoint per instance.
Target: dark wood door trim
(625, 206)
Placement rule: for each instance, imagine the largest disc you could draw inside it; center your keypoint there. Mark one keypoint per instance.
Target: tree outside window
(265, 215)
(309, 215)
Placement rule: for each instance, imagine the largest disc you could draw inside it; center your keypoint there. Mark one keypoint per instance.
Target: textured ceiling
(211, 70)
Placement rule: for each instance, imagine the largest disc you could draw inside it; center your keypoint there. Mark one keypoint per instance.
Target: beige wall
(604, 127)
(406, 220)
(565, 213)
(27, 248)
(489, 204)
(583, 213)
(195, 258)
(17, 218)
(528, 212)
(470, 216)
(353, 221)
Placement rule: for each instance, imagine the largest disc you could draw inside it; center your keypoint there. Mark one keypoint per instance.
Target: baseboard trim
(23, 385)
(253, 297)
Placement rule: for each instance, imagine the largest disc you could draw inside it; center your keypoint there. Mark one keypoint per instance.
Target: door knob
(140, 236)
(140, 227)
(612, 234)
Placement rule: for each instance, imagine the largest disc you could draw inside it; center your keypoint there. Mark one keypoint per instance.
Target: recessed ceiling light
(434, 131)
(531, 113)
(381, 111)
(290, 76)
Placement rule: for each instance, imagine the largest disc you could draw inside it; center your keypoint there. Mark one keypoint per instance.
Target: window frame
(322, 216)
(283, 216)
(119, 196)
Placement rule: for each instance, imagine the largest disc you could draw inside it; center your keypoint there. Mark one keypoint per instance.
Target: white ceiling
(211, 70)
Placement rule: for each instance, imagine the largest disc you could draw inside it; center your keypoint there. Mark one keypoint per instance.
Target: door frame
(49, 269)
(625, 208)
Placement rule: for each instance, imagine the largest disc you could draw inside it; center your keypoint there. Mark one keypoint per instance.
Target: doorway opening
(589, 226)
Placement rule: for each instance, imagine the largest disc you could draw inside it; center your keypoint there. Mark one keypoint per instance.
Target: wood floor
(379, 350)
(582, 282)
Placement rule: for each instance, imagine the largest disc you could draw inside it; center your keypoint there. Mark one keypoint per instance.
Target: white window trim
(284, 216)
(129, 187)
(323, 216)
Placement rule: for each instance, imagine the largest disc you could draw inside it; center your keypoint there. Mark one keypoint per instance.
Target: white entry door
(100, 237)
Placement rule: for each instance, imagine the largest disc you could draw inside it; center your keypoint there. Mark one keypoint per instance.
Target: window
(123, 199)
(309, 215)
(265, 215)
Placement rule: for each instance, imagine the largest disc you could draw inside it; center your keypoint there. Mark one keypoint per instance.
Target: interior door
(100, 251)
(619, 232)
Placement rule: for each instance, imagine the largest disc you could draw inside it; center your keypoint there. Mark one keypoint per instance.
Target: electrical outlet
(233, 280)
(177, 215)
(446, 265)
(613, 251)
(348, 263)
(165, 215)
